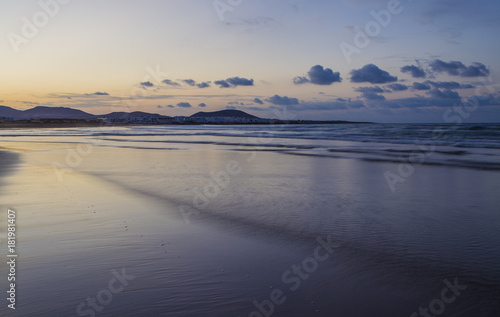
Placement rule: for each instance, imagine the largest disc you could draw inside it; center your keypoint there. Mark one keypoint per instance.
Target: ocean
(255, 220)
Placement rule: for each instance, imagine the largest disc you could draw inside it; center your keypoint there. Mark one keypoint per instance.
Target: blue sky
(383, 61)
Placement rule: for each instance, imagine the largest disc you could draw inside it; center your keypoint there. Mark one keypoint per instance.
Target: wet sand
(132, 212)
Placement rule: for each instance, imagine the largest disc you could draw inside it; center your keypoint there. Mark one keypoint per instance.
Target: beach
(252, 221)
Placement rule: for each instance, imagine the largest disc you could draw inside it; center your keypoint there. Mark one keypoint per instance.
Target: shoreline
(91, 124)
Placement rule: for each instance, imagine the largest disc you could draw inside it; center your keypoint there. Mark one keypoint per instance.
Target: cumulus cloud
(415, 71)
(170, 82)
(234, 82)
(257, 100)
(323, 76)
(420, 86)
(237, 81)
(147, 84)
(283, 101)
(205, 84)
(170, 106)
(222, 83)
(184, 105)
(397, 87)
(190, 82)
(485, 100)
(299, 80)
(99, 93)
(319, 76)
(372, 74)
(443, 94)
(202, 105)
(448, 84)
(457, 68)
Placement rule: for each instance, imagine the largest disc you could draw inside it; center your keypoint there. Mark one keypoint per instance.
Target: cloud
(485, 100)
(170, 82)
(159, 107)
(184, 105)
(372, 74)
(374, 89)
(222, 83)
(170, 106)
(319, 76)
(190, 82)
(420, 86)
(237, 81)
(467, 86)
(202, 105)
(448, 84)
(203, 84)
(99, 93)
(283, 101)
(457, 68)
(415, 71)
(147, 84)
(476, 70)
(257, 100)
(371, 93)
(397, 87)
(299, 80)
(373, 96)
(337, 104)
(234, 82)
(443, 94)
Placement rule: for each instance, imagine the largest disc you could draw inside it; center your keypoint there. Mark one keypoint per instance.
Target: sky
(430, 61)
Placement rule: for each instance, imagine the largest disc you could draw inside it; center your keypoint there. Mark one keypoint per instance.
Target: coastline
(93, 124)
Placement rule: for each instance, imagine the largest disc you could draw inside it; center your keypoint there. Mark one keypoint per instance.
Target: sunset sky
(383, 61)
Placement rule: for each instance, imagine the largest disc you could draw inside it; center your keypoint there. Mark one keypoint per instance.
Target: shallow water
(209, 221)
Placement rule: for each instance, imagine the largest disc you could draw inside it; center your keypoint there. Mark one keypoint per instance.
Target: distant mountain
(135, 114)
(41, 112)
(224, 114)
(8, 112)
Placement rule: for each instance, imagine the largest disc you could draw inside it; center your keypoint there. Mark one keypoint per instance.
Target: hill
(224, 114)
(42, 112)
